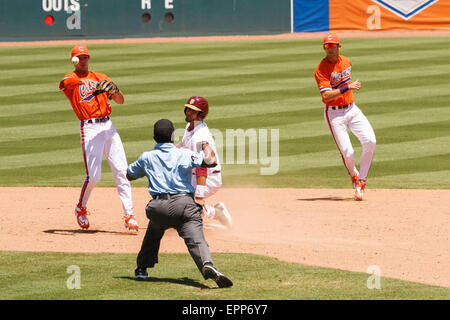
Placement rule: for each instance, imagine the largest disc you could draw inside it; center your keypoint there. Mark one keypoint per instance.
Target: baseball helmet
(331, 38)
(198, 103)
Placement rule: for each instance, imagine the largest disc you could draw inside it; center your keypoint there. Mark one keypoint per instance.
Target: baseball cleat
(223, 215)
(81, 214)
(208, 211)
(209, 272)
(359, 190)
(140, 274)
(355, 180)
(131, 223)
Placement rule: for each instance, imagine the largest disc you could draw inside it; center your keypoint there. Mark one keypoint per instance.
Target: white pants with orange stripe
(98, 139)
(339, 121)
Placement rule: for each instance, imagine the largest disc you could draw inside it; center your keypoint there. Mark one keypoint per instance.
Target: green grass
(44, 276)
(250, 85)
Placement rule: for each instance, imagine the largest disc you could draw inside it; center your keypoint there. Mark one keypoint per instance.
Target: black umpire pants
(183, 214)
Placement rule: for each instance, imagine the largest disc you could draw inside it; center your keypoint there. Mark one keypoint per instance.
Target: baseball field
(297, 232)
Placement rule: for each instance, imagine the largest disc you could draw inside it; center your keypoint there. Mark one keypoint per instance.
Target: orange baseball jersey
(79, 92)
(331, 76)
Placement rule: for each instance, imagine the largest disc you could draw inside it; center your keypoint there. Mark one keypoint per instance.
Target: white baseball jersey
(198, 134)
(191, 140)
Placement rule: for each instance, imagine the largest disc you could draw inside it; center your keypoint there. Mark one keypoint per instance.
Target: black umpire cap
(163, 131)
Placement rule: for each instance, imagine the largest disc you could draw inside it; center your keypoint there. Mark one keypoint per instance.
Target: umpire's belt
(168, 196)
(97, 120)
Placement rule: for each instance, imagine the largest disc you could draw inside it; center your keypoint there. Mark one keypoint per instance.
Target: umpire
(169, 172)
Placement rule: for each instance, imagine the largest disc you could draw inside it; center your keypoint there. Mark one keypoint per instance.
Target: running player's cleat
(359, 190)
(223, 215)
(81, 214)
(131, 223)
(355, 180)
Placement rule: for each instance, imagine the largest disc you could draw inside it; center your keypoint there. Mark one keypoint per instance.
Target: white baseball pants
(98, 139)
(339, 121)
(213, 183)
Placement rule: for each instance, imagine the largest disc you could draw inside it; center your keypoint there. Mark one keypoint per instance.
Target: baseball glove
(106, 86)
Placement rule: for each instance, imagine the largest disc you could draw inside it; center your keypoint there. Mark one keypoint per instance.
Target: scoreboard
(75, 19)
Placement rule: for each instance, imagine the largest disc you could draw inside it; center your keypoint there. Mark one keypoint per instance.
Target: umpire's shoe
(140, 274)
(209, 272)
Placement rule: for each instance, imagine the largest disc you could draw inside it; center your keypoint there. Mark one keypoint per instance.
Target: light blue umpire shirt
(167, 168)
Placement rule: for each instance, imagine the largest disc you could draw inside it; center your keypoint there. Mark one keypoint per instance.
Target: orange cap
(331, 38)
(79, 51)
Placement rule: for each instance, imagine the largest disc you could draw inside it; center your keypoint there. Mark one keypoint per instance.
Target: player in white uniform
(206, 181)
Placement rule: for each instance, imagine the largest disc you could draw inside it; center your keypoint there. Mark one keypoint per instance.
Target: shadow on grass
(327, 199)
(184, 281)
(68, 232)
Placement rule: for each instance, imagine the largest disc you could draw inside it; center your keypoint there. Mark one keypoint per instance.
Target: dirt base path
(403, 232)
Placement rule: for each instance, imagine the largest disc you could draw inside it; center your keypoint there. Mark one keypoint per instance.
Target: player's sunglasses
(331, 45)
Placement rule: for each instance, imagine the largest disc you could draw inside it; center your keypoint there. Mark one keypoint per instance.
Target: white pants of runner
(213, 183)
(98, 139)
(339, 121)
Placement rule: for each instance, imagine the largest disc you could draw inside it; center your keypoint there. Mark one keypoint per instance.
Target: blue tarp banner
(311, 15)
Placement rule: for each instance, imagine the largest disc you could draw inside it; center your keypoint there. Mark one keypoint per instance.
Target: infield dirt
(405, 233)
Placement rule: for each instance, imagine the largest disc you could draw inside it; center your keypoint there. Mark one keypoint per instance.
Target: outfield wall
(93, 19)
(370, 15)
(76, 19)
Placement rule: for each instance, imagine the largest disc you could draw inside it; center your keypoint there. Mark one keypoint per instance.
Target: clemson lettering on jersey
(79, 92)
(331, 76)
(339, 78)
(86, 88)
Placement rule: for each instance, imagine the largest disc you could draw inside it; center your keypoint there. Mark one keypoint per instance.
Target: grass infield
(44, 276)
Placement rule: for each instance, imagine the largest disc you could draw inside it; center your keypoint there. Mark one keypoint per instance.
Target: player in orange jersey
(333, 76)
(98, 135)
